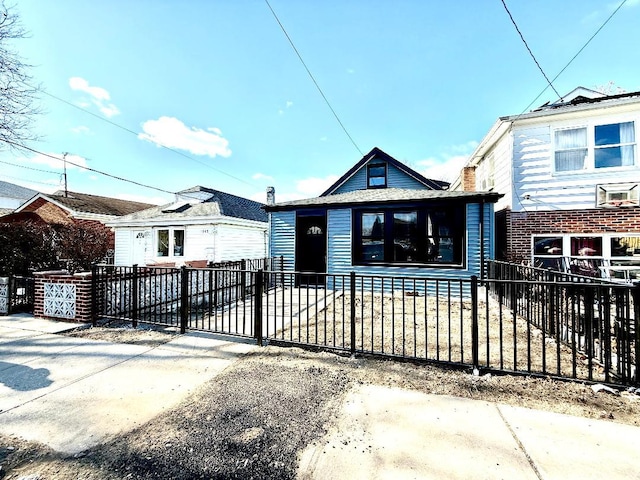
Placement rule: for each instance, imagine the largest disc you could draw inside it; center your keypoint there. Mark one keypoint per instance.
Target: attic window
(377, 175)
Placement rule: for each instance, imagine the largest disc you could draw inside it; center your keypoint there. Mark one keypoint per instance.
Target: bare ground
(256, 417)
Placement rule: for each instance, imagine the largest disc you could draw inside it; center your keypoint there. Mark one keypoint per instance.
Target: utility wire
(122, 179)
(128, 130)
(529, 50)
(30, 168)
(312, 78)
(576, 55)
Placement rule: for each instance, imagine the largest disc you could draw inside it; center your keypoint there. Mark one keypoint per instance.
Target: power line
(30, 168)
(128, 130)
(122, 179)
(576, 55)
(529, 50)
(312, 78)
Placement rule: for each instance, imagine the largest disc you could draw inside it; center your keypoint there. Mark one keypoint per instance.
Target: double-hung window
(432, 235)
(594, 147)
(376, 175)
(170, 242)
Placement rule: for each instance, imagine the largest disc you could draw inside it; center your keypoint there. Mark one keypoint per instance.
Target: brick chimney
(468, 180)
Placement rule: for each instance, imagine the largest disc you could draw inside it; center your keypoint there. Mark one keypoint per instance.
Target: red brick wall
(82, 281)
(521, 225)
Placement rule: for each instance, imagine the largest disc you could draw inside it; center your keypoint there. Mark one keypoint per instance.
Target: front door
(311, 248)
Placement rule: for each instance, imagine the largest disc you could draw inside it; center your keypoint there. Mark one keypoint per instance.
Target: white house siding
(502, 171)
(199, 242)
(123, 246)
(283, 240)
(237, 243)
(395, 179)
(537, 187)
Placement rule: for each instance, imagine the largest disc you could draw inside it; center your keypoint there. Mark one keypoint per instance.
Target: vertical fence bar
(184, 298)
(474, 322)
(94, 294)
(134, 297)
(352, 291)
(257, 307)
(635, 294)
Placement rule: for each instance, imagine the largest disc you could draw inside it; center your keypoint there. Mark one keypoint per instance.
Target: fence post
(635, 293)
(134, 297)
(243, 278)
(474, 323)
(589, 298)
(257, 307)
(94, 294)
(10, 283)
(352, 290)
(184, 299)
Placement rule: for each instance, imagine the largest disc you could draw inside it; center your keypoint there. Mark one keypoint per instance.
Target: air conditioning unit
(613, 195)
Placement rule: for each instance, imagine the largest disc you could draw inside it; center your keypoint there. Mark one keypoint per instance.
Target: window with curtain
(614, 145)
(570, 149)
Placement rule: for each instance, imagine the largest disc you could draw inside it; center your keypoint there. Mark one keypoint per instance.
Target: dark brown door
(311, 248)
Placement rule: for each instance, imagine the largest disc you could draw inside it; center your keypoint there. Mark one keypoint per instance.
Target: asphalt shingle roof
(84, 202)
(383, 195)
(11, 190)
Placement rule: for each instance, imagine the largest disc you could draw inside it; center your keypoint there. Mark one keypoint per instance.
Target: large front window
(422, 236)
(589, 148)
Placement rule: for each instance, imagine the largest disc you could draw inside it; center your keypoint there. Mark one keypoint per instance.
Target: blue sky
(218, 82)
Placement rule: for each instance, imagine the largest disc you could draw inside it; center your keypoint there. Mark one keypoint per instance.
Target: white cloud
(81, 129)
(98, 96)
(57, 162)
(155, 200)
(447, 165)
(313, 186)
(261, 176)
(172, 133)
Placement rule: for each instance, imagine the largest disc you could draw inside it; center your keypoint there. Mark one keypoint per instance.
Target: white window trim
(589, 163)
(171, 246)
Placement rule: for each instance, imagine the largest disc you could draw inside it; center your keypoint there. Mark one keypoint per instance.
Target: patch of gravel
(253, 420)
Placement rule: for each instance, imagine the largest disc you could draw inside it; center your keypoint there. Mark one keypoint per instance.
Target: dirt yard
(253, 420)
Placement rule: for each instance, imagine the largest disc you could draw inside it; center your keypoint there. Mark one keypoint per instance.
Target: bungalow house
(62, 208)
(384, 218)
(570, 175)
(203, 225)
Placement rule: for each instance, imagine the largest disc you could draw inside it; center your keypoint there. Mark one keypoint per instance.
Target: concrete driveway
(74, 393)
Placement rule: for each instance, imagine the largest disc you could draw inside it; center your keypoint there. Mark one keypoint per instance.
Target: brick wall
(82, 282)
(468, 179)
(521, 225)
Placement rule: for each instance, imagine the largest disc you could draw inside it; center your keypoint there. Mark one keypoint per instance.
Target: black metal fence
(515, 320)
(19, 295)
(187, 298)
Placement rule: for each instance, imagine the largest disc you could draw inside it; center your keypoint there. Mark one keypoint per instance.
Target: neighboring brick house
(570, 175)
(73, 207)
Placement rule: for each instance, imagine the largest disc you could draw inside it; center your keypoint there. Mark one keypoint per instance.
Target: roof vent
(176, 207)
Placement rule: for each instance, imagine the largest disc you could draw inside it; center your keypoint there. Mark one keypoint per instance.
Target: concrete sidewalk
(74, 393)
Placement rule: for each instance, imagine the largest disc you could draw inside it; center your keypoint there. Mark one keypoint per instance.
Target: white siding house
(570, 175)
(202, 226)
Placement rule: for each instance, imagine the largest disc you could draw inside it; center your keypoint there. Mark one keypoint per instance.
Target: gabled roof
(84, 203)
(377, 153)
(200, 202)
(384, 195)
(11, 190)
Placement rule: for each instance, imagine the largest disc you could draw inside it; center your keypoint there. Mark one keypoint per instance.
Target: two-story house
(570, 175)
(384, 218)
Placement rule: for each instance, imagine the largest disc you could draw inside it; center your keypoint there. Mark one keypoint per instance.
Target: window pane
(614, 156)
(547, 245)
(570, 160)
(586, 246)
(373, 225)
(444, 236)
(377, 175)
(553, 263)
(178, 243)
(163, 243)
(625, 247)
(376, 171)
(372, 250)
(571, 138)
(608, 134)
(405, 237)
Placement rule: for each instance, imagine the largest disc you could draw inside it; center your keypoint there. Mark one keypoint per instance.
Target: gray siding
(395, 179)
(283, 239)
